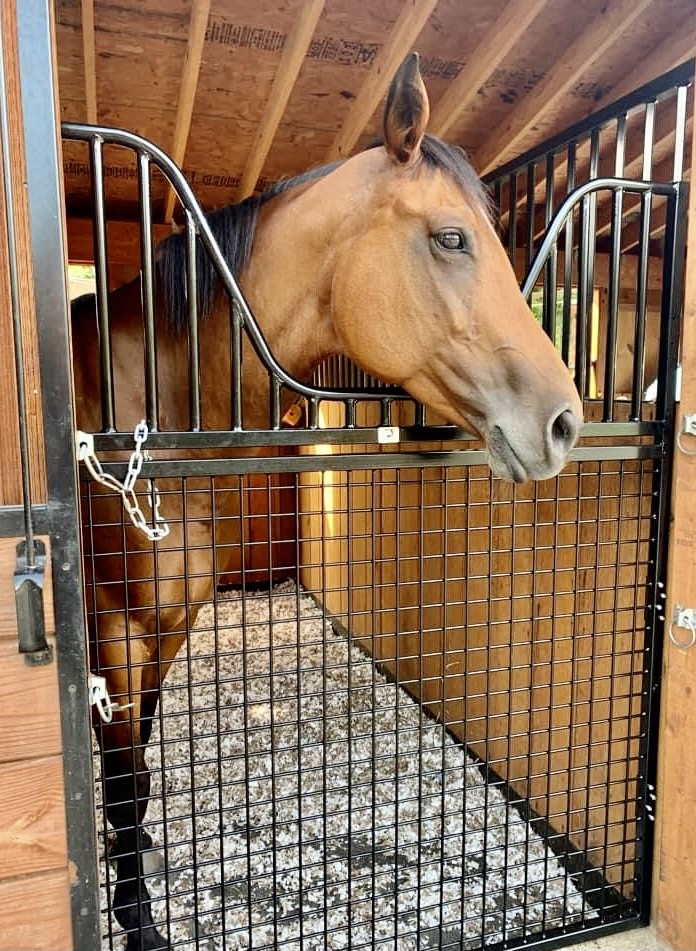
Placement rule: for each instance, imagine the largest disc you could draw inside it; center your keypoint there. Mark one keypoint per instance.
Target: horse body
(390, 258)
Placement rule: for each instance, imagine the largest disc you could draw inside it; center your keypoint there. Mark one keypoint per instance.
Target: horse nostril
(564, 429)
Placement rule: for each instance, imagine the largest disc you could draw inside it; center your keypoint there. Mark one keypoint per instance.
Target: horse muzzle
(516, 456)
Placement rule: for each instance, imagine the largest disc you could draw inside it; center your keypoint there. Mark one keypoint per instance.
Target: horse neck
(299, 238)
(288, 287)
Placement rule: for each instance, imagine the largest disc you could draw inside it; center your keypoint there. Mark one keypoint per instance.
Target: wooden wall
(674, 908)
(34, 873)
(34, 869)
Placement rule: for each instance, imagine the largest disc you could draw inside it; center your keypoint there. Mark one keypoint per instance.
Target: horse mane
(234, 226)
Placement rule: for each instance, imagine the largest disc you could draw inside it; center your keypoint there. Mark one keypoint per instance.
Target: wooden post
(674, 908)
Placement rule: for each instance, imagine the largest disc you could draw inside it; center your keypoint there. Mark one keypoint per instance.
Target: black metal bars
(198, 229)
(613, 242)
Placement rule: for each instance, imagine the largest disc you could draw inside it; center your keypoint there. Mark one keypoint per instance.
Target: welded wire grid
(302, 797)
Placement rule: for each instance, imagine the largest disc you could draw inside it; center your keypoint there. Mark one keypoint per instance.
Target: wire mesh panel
(420, 725)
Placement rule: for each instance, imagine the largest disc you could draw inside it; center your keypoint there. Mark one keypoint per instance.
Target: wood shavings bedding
(341, 814)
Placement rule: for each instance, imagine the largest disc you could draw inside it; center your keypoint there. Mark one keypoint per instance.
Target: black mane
(234, 226)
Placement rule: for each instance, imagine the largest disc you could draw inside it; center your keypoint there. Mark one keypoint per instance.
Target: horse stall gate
(397, 703)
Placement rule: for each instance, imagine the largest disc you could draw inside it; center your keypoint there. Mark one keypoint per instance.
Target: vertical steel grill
(609, 234)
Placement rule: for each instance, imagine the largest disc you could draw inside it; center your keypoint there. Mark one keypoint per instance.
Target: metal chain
(84, 443)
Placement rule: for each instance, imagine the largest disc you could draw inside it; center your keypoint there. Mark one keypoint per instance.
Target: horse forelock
(234, 227)
(454, 163)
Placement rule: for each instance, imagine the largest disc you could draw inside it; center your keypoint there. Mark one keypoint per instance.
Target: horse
(389, 257)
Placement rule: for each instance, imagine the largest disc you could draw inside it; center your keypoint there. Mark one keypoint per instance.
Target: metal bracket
(686, 618)
(388, 434)
(99, 696)
(688, 428)
(29, 605)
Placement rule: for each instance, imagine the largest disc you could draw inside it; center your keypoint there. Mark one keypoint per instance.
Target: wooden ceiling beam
(89, 55)
(507, 30)
(405, 31)
(604, 30)
(671, 52)
(293, 57)
(200, 9)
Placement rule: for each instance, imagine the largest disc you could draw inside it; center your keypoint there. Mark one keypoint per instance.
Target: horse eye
(451, 240)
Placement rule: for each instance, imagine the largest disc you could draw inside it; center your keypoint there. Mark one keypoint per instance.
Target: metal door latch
(29, 604)
(686, 618)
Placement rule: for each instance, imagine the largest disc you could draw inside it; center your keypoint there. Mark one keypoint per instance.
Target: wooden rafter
(604, 30)
(671, 52)
(294, 53)
(510, 26)
(89, 55)
(408, 26)
(187, 91)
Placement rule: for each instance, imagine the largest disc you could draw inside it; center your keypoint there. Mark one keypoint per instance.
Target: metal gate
(419, 708)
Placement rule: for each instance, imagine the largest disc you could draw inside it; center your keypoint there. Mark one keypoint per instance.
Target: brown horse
(389, 257)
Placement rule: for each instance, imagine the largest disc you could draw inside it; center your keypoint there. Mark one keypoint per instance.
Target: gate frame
(675, 917)
(46, 210)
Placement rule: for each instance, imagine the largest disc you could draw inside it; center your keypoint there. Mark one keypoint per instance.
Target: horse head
(424, 296)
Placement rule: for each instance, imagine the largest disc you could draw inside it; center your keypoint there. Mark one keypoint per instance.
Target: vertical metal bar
(385, 406)
(550, 293)
(16, 308)
(512, 218)
(218, 704)
(614, 275)
(312, 413)
(568, 256)
(591, 243)
(101, 262)
(194, 367)
(586, 254)
(420, 689)
(301, 884)
(680, 134)
(162, 720)
(529, 242)
(148, 290)
(236, 331)
(672, 284)
(581, 309)
(648, 137)
(497, 200)
(638, 380)
(43, 189)
(274, 387)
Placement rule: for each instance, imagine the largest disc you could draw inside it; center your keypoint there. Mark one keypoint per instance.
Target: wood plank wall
(10, 471)
(34, 868)
(35, 912)
(674, 909)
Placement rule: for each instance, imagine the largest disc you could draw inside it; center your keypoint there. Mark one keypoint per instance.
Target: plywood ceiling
(243, 93)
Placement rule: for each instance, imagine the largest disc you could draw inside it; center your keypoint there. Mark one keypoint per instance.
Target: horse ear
(407, 112)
